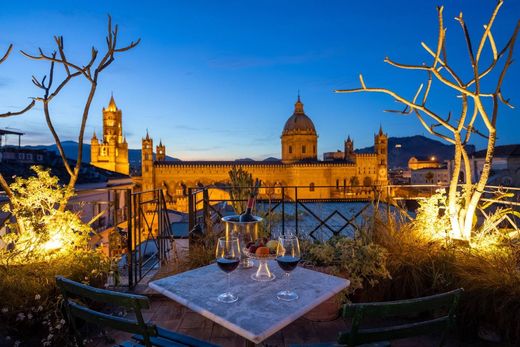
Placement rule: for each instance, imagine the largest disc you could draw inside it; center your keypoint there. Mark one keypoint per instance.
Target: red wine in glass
(287, 263)
(228, 264)
(227, 255)
(287, 256)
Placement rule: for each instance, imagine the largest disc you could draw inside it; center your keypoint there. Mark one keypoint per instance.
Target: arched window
(290, 149)
(314, 149)
(303, 149)
(311, 187)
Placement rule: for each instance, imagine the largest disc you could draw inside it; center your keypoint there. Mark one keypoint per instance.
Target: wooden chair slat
(167, 335)
(106, 320)
(389, 308)
(102, 295)
(130, 344)
(395, 332)
(189, 340)
(146, 334)
(358, 335)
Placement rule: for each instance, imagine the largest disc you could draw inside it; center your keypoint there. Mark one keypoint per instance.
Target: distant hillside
(415, 146)
(71, 152)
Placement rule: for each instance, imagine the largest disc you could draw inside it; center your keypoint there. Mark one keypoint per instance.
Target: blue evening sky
(218, 79)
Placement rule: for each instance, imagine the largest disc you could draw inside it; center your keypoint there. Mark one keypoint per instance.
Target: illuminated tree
(479, 98)
(51, 87)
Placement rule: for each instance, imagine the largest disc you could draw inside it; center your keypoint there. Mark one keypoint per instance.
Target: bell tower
(381, 149)
(349, 150)
(147, 169)
(160, 152)
(111, 152)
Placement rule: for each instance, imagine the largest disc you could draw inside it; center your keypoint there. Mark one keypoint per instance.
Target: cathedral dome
(299, 122)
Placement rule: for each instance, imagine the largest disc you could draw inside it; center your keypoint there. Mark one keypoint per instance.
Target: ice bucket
(246, 232)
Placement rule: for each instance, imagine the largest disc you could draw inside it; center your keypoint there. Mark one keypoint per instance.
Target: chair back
(76, 294)
(357, 335)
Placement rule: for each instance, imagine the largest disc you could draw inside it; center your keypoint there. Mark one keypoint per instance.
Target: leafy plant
(30, 299)
(363, 263)
(241, 184)
(44, 242)
(42, 231)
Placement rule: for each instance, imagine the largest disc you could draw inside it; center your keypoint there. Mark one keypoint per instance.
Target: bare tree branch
(7, 52)
(18, 113)
(458, 129)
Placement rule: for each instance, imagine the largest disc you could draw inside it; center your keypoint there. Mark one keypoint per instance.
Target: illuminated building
(299, 166)
(111, 153)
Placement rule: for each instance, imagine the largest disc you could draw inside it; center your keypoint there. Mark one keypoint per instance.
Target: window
(337, 183)
(314, 149)
(303, 149)
(311, 187)
(290, 149)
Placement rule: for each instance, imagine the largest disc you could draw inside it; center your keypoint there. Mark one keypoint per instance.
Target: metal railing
(339, 213)
(150, 238)
(132, 225)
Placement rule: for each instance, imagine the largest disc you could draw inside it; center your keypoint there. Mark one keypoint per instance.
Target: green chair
(146, 334)
(446, 302)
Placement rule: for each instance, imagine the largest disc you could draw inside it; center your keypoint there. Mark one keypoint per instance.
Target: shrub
(43, 242)
(422, 263)
(362, 262)
(30, 299)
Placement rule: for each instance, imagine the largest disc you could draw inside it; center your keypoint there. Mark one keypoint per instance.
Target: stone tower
(381, 150)
(299, 137)
(111, 153)
(147, 163)
(349, 150)
(160, 152)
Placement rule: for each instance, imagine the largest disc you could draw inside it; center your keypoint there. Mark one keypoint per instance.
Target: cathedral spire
(112, 104)
(380, 130)
(298, 106)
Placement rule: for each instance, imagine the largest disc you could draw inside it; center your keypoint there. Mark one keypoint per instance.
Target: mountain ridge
(400, 150)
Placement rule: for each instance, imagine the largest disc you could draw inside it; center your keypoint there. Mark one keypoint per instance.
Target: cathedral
(299, 166)
(111, 153)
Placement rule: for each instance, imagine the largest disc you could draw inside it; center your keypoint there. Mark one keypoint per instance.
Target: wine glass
(287, 256)
(228, 258)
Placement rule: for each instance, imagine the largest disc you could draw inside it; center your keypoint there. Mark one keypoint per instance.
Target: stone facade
(111, 153)
(299, 167)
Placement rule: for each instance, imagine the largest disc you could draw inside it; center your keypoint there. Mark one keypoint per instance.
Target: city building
(299, 166)
(439, 176)
(505, 167)
(111, 153)
(419, 162)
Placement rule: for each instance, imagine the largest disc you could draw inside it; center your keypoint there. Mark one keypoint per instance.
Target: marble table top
(258, 313)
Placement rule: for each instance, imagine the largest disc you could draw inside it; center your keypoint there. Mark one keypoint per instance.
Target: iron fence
(341, 213)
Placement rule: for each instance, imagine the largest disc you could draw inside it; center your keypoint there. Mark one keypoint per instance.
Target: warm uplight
(45, 232)
(53, 244)
(432, 158)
